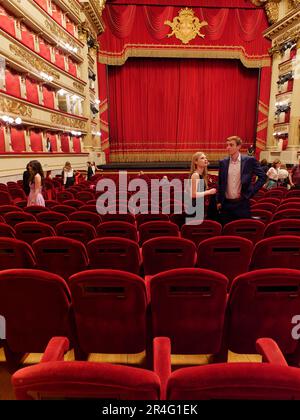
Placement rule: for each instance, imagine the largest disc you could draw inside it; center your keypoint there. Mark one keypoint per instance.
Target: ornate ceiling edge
(93, 9)
(271, 7)
(180, 52)
(274, 30)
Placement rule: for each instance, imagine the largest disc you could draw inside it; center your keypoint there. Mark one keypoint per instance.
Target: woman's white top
(273, 173)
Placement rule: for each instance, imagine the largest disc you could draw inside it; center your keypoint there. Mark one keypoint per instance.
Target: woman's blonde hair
(195, 158)
(275, 162)
(68, 166)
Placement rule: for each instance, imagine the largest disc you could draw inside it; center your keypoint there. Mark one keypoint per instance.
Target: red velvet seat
(237, 381)
(128, 217)
(8, 208)
(86, 216)
(293, 193)
(277, 252)
(165, 253)
(290, 213)
(5, 198)
(73, 203)
(204, 230)
(264, 206)
(81, 231)
(17, 194)
(56, 379)
(59, 255)
(188, 306)
(16, 254)
(110, 312)
(117, 229)
(246, 228)
(52, 218)
(271, 200)
(64, 209)
(289, 205)
(84, 196)
(64, 195)
(6, 230)
(36, 307)
(276, 192)
(35, 209)
(263, 215)
(88, 207)
(143, 218)
(229, 255)
(156, 229)
(31, 231)
(262, 303)
(14, 217)
(283, 227)
(115, 253)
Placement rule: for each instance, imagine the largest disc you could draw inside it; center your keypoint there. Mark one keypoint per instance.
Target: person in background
(68, 175)
(26, 177)
(94, 167)
(283, 177)
(295, 176)
(48, 145)
(264, 165)
(273, 174)
(235, 182)
(35, 197)
(89, 171)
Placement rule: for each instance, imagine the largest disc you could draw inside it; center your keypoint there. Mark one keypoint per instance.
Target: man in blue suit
(235, 186)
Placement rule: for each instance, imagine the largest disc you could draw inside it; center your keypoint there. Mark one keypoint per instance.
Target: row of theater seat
(55, 379)
(116, 312)
(231, 255)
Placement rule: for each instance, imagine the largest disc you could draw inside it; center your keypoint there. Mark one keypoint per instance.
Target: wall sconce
(11, 121)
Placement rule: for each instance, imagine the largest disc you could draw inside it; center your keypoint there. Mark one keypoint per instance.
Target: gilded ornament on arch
(78, 86)
(15, 107)
(33, 61)
(66, 121)
(60, 34)
(186, 26)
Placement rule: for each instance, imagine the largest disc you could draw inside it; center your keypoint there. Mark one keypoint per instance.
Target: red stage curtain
(65, 143)
(12, 83)
(76, 144)
(72, 67)
(103, 110)
(17, 139)
(27, 36)
(175, 105)
(246, 4)
(7, 21)
(48, 95)
(36, 141)
(45, 49)
(32, 90)
(2, 140)
(59, 59)
(53, 141)
(140, 31)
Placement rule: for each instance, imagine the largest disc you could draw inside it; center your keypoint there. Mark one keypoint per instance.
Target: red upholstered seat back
(115, 253)
(188, 306)
(63, 256)
(165, 253)
(36, 307)
(246, 228)
(205, 230)
(15, 254)
(262, 303)
(31, 231)
(275, 252)
(229, 255)
(110, 311)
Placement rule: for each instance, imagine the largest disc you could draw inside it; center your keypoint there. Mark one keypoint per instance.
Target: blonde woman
(273, 174)
(69, 175)
(199, 171)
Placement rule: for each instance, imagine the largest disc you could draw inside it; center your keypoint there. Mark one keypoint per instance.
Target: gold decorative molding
(68, 122)
(74, 7)
(272, 10)
(15, 107)
(180, 51)
(33, 61)
(78, 86)
(60, 34)
(93, 9)
(288, 35)
(186, 26)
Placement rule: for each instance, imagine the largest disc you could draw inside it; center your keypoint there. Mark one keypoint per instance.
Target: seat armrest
(55, 349)
(270, 351)
(162, 361)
